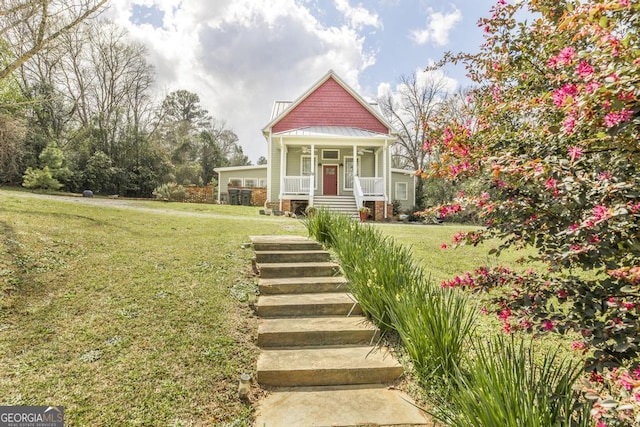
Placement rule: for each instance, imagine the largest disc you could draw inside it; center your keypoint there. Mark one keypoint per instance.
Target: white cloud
(241, 55)
(358, 17)
(438, 27)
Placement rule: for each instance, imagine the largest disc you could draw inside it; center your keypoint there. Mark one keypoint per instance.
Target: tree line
(78, 111)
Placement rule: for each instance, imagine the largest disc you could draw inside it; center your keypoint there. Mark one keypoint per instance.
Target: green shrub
(170, 192)
(509, 385)
(40, 178)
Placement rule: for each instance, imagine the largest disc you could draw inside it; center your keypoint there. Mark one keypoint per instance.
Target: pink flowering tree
(556, 138)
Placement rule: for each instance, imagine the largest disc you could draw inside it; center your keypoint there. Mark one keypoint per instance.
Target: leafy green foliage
(434, 324)
(554, 140)
(170, 192)
(509, 385)
(40, 178)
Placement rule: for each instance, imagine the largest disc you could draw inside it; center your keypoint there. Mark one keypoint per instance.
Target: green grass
(137, 316)
(127, 317)
(443, 264)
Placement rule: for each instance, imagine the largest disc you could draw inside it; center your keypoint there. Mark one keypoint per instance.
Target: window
(402, 192)
(235, 182)
(305, 165)
(348, 172)
(262, 183)
(249, 182)
(330, 154)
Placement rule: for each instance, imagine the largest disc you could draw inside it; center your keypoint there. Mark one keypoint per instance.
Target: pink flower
(591, 87)
(604, 175)
(548, 325)
(615, 117)
(562, 293)
(560, 95)
(601, 213)
(575, 152)
(565, 57)
(484, 310)
(525, 324)
(578, 345)
(628, 305)
(504, 314)
(569, 123)
(626, 381)
(584, 69)
(443, 246)
(506, 327)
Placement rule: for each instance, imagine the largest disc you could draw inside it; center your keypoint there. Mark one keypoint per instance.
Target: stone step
(263, 257)
(294, 269)
(316, 331)
(307, 305)
(312, 366)
(284, 243)
(301, 285)
(356, 405)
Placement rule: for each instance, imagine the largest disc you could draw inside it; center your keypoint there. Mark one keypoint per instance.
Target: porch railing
(297, 184)
(372, 186)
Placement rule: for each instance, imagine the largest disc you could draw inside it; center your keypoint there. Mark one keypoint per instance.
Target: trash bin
(234, 196)
(246, 197)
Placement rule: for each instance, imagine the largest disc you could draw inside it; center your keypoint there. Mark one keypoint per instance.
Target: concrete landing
(339, 406)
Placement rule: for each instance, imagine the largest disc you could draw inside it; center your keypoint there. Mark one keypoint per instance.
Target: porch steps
(342, 204)
(317, 350)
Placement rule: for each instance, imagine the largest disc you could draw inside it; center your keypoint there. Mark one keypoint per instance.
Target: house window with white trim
(262, 183)
(402, 191)
(250, 182)
(348, 172)
(235, 182)
(305, 165)
(330, 154)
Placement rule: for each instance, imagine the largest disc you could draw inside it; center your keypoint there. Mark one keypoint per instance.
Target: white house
(330, 148)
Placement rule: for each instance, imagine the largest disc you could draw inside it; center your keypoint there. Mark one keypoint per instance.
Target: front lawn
(127, 317)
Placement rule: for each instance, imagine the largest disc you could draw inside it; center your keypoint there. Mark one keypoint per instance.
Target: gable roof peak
(282, 108)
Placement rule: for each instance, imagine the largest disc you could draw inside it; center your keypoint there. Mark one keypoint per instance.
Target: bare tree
(416, 100)
(32, 25)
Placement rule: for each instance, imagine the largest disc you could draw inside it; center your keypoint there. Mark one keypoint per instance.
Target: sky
(240, 56)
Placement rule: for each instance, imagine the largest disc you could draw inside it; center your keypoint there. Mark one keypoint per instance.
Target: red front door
(330, 180)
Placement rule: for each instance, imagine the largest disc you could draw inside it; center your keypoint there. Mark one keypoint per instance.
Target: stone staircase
(317, 350)
(342, 204)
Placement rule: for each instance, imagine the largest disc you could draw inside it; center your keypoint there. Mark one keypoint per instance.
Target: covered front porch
(348, 163)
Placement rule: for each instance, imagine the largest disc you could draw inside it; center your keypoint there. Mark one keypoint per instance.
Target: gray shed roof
(329, 131)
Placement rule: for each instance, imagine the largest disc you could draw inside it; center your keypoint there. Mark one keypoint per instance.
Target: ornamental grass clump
(379, 270)
(509, 385)
(392, 289)
(435, 324)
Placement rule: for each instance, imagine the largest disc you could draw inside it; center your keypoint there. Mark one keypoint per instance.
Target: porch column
(386, 175)
(312, 178)
(282, 170)
(355, 164)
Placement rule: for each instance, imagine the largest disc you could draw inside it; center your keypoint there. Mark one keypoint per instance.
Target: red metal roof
(330, 104)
